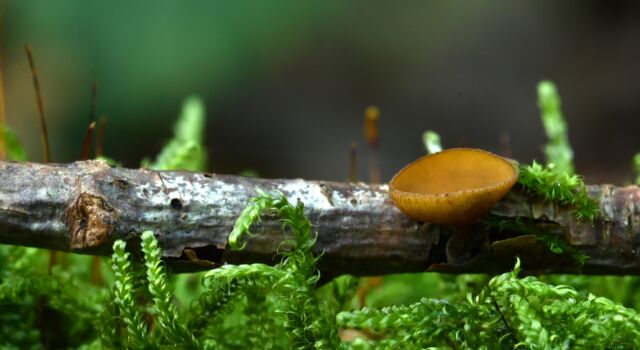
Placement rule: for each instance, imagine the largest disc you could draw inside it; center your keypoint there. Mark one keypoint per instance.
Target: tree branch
(84, 207)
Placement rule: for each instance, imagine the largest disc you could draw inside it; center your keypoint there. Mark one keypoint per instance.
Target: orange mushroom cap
(454, 187)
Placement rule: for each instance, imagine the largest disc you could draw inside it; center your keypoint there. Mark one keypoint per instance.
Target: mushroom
(455, 187)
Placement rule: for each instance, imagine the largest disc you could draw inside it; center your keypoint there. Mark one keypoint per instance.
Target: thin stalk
(3, 152)
(86, 143)
(371, 117)
(94, 97)
(353, 162)
(43, 124)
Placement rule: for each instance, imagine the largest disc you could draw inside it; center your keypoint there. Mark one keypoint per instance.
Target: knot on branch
(90, 220)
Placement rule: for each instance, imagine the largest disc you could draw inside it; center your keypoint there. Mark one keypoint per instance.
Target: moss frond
(307, 319)
(123, 296)
(169, 325)
(558, 150)
(508, 312)
(185, 151)
(251, 214)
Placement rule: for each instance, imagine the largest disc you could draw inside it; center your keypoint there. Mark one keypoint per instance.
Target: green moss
(124, 298)
(508, 312)
(307, 318)
(185, 151)
(557, 181)
(558, 150)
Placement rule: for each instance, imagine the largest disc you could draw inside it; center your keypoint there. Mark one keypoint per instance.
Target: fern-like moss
(509, 312)
(228, 289)
(185, 151)
(169, 326)
(123, 295)
(558, 150)
(308, 320)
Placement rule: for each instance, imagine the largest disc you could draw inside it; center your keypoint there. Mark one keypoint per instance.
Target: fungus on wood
(455, 187)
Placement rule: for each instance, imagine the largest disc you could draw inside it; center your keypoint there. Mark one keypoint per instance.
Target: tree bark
(83, 207)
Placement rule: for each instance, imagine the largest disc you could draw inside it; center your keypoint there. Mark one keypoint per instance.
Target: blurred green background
(286, 82)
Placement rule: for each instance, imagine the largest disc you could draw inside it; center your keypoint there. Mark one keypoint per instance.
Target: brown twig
(43, 125)
(3, 152)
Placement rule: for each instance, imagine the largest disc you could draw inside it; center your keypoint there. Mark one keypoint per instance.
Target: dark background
(286, 82)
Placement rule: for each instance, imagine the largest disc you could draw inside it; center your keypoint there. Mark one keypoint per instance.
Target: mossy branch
(359, 230)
